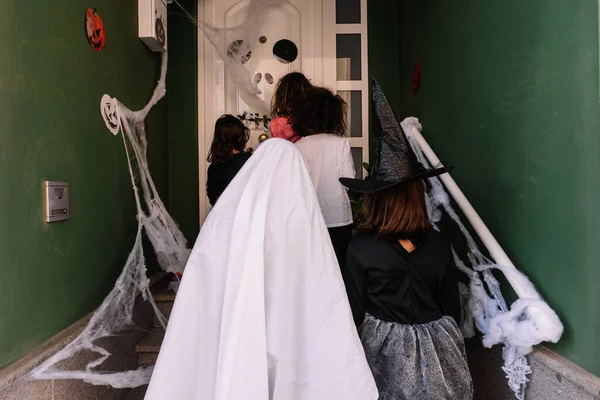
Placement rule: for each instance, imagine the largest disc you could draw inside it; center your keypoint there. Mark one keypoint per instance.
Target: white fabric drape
(262, 312)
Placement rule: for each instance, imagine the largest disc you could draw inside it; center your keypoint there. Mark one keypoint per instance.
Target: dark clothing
(393, 285)
(221, 174)
(340, 238)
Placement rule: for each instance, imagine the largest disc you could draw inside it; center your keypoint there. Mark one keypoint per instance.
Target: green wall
(384, 45)
(510, 97)
(182, 83)
(51, 83)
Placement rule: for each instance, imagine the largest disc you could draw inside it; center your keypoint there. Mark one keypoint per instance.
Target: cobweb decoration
(529, 320)
(235, 45)
(116, 311)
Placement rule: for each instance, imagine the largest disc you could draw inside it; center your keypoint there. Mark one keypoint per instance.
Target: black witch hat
(395, 162)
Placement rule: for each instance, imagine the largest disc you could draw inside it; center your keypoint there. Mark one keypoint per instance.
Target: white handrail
(482, 230)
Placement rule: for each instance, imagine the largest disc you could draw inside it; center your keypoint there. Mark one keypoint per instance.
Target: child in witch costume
(401, 279)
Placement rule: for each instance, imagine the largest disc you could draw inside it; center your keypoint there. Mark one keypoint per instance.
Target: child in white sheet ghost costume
(262, 311)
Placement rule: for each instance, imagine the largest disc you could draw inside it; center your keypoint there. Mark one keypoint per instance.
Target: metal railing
(469, 212)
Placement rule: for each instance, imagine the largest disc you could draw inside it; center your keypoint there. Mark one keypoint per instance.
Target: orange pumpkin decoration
(94, 27)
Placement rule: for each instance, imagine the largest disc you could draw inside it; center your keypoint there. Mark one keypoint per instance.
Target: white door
(310, 27)
(281, 28)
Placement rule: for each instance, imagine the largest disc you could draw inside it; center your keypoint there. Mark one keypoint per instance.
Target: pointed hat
(395, 162)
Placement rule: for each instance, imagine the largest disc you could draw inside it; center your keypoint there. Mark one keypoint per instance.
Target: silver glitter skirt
(417, 362)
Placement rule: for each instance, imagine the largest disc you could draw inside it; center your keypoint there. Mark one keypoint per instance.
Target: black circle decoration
(240, 51)
(262, 39)
(285, 51)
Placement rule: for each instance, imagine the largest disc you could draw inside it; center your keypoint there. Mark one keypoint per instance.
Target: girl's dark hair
(399, 212)
(318, 111)
(289, 86)
(230, 136)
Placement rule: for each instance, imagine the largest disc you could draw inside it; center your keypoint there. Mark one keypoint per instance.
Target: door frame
(326, 76)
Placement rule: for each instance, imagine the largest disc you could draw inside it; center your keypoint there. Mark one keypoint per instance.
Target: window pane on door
(358, 161)
(348, 50)
(354, 115)
(347, 11)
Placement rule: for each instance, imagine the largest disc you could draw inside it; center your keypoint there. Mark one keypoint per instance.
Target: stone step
(147, 359)
(151, 343)
(165, 295)
(164, 301)
(165, 307)
(137, 393)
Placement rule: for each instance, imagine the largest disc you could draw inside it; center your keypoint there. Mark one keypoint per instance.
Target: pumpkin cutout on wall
(94, 27)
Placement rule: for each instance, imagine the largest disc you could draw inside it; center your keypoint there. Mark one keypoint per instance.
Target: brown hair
(230, 136)
(399, 212)
(319, 111)
(289, 86)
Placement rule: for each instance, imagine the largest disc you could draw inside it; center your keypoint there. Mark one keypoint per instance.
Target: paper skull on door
(267, 51)
(255, 43)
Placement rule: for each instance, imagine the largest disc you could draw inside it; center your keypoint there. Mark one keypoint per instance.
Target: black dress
(407, 306)
(221, 174)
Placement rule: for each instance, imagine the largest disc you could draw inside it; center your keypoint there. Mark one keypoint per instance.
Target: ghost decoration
(110, 114)
(255, 52)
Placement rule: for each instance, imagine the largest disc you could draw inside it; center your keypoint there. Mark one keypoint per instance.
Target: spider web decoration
(235, 46)
(116, 311)
(529, 320)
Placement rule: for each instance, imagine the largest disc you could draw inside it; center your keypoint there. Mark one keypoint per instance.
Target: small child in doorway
(289, 87)
(319, 117)
(227, 155)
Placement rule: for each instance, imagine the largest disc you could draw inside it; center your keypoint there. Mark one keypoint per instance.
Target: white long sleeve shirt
(328, 158)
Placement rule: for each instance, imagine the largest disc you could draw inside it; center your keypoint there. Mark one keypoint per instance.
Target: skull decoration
(110, 114)
(96, 34)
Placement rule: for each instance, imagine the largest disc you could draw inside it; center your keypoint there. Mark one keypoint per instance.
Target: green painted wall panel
(182, 83)
(51, 83)
(510, 97)
(384, 45)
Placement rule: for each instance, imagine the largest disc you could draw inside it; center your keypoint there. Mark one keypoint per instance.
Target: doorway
(329, 41)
